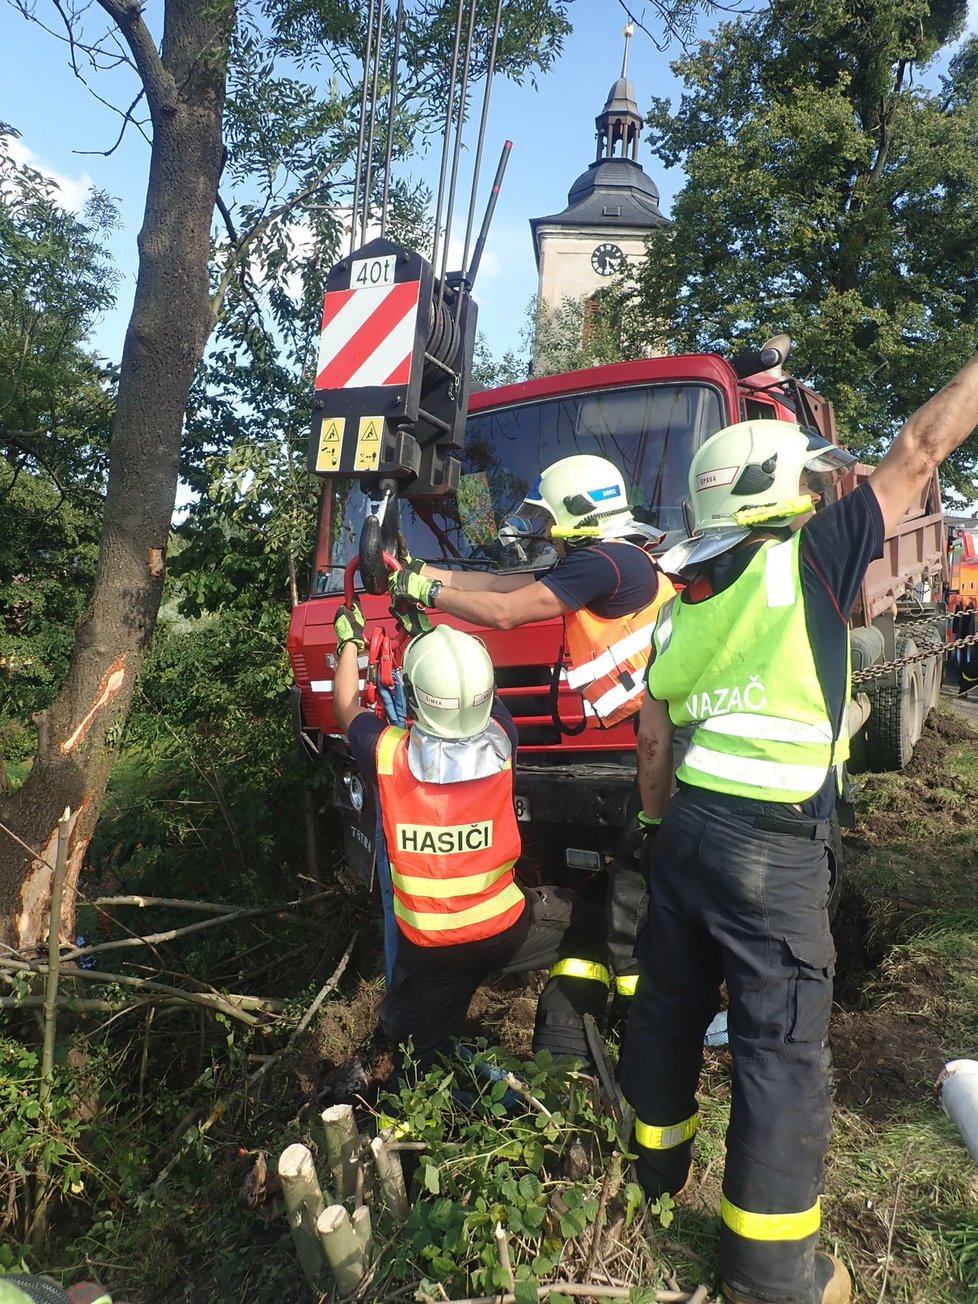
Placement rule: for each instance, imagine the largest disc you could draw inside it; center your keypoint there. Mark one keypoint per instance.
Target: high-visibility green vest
(740, 667)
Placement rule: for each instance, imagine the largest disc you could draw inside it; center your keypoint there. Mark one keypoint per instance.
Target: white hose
(958, 1086)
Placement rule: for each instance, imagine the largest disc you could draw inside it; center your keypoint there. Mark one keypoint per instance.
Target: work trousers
(428, 996)
(738, 892)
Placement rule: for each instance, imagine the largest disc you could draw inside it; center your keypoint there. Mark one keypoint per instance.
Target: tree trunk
(78, 735)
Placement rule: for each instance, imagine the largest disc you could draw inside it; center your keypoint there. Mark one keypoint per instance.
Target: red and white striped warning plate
(368, 336)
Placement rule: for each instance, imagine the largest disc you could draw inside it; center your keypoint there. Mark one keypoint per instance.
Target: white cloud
(73, 192)
(488, 267)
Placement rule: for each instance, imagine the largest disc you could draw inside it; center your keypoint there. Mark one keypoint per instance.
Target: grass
(902, 1190)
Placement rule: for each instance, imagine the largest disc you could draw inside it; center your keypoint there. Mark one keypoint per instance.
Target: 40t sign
(366, 272)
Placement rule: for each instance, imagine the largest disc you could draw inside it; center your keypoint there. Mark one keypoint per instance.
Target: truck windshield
(649, 431)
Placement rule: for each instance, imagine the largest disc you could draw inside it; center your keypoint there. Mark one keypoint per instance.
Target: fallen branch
(233, 1005)
(598, 1228)
(502, 1250)
(89, 1004)
(893, 1217)
(212, 907)
(605, 1076)
(305, 1205)
(342, 1143)
(390, 1175)
(213, 1117)
(343, 1249)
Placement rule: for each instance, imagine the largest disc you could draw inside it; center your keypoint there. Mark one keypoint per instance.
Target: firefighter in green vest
(754, 657)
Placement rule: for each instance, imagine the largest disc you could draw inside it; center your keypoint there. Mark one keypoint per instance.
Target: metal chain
(887, 667)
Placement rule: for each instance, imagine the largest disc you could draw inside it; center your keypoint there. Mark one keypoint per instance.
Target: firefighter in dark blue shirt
(754, 656)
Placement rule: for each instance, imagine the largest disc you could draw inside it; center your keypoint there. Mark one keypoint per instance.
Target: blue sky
(63, 127)
(552, 128)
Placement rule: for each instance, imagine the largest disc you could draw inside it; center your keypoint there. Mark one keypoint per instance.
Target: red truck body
(649, 417)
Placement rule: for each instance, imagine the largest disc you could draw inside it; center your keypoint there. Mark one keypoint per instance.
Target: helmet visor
(824, 456)
(524, 537)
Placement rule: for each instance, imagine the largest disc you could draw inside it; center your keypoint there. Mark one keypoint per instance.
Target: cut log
(304, 1204)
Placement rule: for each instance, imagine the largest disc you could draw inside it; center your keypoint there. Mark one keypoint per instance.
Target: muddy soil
(886, 1041)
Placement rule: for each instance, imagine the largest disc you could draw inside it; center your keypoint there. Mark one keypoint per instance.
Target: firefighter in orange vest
(445, 789)
(606, 586)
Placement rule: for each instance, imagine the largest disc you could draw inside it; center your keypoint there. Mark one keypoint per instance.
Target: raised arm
(937, 428)
(346, 687)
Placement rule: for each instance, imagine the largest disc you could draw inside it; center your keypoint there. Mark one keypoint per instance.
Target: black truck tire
(932, 669)
(897, 715)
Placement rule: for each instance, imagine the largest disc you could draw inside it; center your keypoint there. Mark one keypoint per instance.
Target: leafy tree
(234, 129)
(55, 408)
(829, 194)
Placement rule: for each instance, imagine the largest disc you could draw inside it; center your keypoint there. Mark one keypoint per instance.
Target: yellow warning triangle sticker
(332, 432)
(370, 433)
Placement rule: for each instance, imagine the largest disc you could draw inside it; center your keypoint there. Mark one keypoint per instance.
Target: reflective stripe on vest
(771, 1226)
(571, 968)
(739, 665)
(627, 985)
(452, 849)
(608, 656)
(664, 1138)
(431, 921)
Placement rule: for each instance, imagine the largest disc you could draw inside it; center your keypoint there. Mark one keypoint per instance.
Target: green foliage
(490, 1158)
(577, 333)
(32, 1135)
(198, 801)
(580, 333)
(55, 405)
(829, 194)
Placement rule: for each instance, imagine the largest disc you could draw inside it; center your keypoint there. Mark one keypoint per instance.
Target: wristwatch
(436, 588)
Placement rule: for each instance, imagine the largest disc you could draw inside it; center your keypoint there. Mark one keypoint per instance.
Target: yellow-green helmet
(449, 683)
(747, 477)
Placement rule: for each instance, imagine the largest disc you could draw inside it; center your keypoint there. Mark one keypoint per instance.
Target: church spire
(619, 122)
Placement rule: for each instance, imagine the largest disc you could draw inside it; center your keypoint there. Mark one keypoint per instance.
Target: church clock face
(607, 259)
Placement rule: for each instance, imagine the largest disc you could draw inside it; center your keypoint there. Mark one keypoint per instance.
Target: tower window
(611, 210)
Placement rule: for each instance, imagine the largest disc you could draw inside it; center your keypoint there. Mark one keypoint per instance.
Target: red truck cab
(648, 417)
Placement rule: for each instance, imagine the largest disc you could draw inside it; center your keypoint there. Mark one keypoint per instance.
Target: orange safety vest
(452, 848)
(608, 657)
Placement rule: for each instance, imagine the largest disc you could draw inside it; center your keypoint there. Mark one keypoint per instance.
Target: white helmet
(578, 498)
(748, 477)
(449, 684)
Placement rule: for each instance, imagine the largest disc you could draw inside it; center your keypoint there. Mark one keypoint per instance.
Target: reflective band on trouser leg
(771, 1226)
(571, 968)
(664, 1138)
(627, 985)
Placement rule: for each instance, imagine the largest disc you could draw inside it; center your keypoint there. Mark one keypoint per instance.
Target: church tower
(610, 208)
